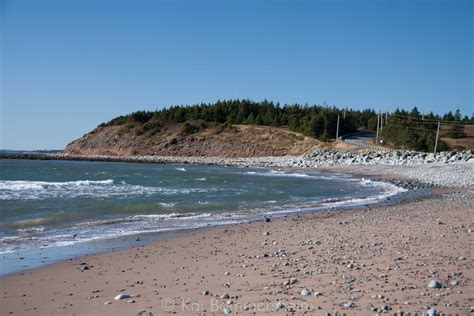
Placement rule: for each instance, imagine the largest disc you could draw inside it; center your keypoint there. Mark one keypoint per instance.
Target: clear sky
(70, 65)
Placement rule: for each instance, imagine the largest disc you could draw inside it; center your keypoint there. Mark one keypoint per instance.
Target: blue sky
(67, 66)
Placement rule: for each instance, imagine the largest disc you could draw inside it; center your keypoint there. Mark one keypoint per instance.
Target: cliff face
(235, 141)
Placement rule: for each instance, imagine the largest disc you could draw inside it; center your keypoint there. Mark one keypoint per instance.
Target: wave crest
(34, 190)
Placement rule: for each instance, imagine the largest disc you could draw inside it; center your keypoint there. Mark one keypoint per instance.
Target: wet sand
(356, 261)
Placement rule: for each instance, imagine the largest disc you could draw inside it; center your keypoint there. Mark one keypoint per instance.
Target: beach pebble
(305, 292)
(317, 294)
(227, 311)
(384, 308)
(108, 303)
(348, 305)
(290, 281)
(225, 296)
(279, 306)
(430, 312)
(435, 284)
(130, 301)
(205, 292)
(121, 297)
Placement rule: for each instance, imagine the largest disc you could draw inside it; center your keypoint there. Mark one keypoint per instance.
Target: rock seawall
(323, 157)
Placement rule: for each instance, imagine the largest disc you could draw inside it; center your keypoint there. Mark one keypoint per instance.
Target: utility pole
(436, 141)
(381, 123)
(377, 136)
(386, 118)
(337, 128)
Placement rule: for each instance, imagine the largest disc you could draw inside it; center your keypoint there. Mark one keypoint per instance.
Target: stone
(384, 308)
(305, 292)
(435, 284)
(279, 306)
(121, 297)
(430, 312)
(205, 292)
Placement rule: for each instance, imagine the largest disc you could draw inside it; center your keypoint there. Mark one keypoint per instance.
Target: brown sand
(371, 257)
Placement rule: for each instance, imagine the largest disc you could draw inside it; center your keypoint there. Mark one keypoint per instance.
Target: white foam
(387, 190)
(41, 185)
(293, 174)
(32, 190)
(170, 204)
(183, 216)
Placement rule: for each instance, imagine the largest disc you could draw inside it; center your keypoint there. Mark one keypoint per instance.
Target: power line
(431, 123)
(414, 128)
(434, 121)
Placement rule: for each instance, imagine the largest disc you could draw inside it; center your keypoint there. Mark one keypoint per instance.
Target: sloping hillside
(463, 143)
(192, 139)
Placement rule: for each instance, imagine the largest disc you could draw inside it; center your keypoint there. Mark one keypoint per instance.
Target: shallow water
(51, 210)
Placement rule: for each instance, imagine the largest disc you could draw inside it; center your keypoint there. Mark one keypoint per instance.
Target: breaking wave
(34, 190)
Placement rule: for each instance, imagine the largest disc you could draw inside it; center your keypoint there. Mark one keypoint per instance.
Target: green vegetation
(412, 130)
(456, 130)
(403, 129)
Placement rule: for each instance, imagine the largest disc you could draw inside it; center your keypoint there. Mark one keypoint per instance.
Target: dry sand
(351, 261)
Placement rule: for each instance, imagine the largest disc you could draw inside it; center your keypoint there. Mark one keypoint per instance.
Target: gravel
(459, 174)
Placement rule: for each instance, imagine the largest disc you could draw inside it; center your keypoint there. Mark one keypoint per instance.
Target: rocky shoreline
(317, 158)
(322, 157)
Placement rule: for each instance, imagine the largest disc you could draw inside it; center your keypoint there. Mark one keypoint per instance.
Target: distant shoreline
(250, 162)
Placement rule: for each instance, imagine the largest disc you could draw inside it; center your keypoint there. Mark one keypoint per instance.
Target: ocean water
(53, 210)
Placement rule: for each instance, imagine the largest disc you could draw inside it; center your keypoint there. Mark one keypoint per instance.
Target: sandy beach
(403, 258)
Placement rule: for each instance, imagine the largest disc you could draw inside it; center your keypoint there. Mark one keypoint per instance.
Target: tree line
(316, 121)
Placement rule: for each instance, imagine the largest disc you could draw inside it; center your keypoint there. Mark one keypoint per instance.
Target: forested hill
(315, 121)
(202, 122)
